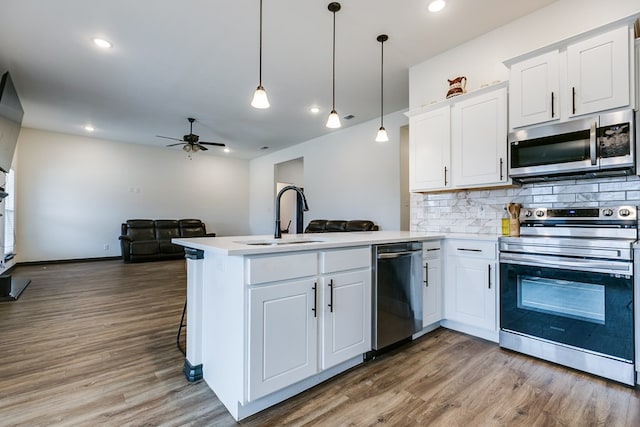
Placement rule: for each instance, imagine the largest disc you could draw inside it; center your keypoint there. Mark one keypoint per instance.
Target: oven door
(590, 310)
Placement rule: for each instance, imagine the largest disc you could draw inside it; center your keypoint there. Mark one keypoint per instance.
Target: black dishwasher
(397, 293)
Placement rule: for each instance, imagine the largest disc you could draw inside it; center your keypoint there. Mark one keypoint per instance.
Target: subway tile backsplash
(480, 211)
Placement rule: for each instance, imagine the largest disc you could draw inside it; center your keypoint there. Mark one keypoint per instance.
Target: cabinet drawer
(431, 249)
(472, 248)
(345, 259)
(263, 269)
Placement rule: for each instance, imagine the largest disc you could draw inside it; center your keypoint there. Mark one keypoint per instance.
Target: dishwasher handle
(390, 255)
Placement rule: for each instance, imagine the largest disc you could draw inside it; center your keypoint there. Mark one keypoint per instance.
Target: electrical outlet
(106, 246)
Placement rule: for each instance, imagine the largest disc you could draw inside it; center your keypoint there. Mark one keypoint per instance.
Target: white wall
(74, 192)
(347, 175)
(480, 60)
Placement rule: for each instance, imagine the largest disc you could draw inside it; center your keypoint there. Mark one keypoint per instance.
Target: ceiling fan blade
(218, 144)
(177, 143)
(202, 147)
(168, 137)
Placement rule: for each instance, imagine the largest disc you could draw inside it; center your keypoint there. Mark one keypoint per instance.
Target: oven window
(575, 300)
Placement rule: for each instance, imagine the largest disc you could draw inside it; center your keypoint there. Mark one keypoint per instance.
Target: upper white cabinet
(598, 72)
(534, 90)
(479, 140)
(430, 150)
(583, 76)
(460, 144)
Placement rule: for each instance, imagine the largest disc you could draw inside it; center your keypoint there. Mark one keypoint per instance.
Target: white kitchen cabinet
(583, 76)
(461, 143)
(299, 326)
(534, 90)
(470, 287)
(432, 281)
(479, 140)
(346, 304)
(282, 336)
(598, 72)
(430, 150)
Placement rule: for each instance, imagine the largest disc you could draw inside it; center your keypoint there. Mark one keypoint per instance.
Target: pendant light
(333, 121)
(260, 99)
(382, 132)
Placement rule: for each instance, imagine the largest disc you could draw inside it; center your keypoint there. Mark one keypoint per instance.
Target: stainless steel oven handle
(560, 262)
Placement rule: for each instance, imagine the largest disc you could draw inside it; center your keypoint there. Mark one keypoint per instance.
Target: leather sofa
(338, 225)
(150, 240)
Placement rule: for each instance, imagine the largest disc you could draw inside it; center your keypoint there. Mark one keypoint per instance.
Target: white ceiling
(199, 58)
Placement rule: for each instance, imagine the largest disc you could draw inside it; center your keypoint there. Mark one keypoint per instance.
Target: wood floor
(92, 344)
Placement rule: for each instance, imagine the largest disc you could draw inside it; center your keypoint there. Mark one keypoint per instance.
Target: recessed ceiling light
(314, 110)
(89, 128)
(436, 6)
(102, 42)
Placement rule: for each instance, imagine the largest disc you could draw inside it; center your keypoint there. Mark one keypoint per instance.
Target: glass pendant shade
(260, 99)
(382, 135)
(333, 121)
(187, 147)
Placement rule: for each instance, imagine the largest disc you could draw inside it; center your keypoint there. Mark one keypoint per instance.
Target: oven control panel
(586, 215)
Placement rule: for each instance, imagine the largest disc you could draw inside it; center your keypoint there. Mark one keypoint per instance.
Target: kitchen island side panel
(224, 328)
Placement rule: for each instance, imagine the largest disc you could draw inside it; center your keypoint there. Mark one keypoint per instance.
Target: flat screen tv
(11, 113)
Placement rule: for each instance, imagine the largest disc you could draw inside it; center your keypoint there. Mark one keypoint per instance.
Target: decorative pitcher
(457, 86)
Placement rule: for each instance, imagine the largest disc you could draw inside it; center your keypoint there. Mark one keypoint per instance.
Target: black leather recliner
(150, 240)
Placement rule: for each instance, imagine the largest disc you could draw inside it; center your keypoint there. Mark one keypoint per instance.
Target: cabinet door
(282, 335)
(429, 150)
(471, 296)
(479, 140)
(534, 88)
(432, 281)
(346, 311)
(598, 73)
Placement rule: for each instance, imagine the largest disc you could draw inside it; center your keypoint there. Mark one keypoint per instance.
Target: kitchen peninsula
(269, 318)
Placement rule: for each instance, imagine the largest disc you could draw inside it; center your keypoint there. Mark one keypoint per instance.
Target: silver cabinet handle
(592, 143)
(469, 250)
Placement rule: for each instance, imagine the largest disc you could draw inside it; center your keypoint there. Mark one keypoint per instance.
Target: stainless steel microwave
(603, 145)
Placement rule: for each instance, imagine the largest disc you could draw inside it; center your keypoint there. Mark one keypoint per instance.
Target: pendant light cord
(260, 66)
(334, 61)
(381, 83)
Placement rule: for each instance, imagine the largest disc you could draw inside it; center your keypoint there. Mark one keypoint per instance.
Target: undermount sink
(277, 242)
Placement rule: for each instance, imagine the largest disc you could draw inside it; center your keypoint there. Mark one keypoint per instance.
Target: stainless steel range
(566, 288)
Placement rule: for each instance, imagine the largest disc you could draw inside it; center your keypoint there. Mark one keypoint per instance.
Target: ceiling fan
(191, 142)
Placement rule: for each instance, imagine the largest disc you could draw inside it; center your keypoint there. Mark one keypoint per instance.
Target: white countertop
(238, 245)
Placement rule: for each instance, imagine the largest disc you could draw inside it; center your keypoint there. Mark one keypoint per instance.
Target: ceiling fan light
(260, 99)
(333, 122)
(187, 148)
(382, 135)
(195, 148)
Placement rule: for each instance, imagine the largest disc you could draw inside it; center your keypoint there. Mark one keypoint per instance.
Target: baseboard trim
(67, 261)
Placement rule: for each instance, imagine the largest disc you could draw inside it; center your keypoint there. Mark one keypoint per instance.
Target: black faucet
(305, 206)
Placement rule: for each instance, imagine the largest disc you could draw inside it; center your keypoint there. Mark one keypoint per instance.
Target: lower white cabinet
(300, 327)
(282, 336)
(470, 287)
(432, 281)
(346, 316)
